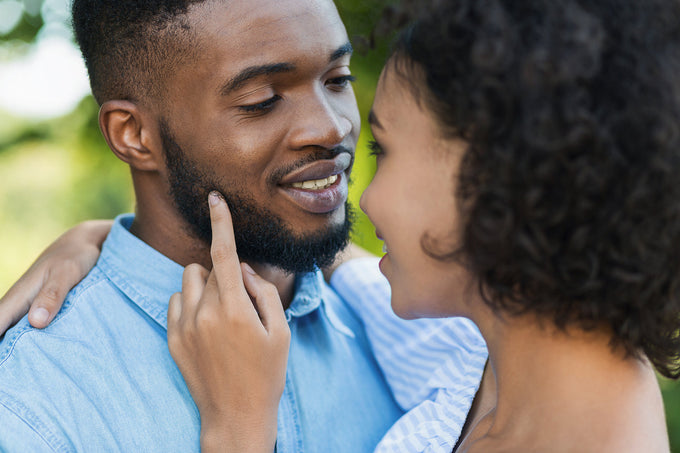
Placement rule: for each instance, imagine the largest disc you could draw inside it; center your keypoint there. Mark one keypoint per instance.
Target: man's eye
(342, 81)
(261, 106)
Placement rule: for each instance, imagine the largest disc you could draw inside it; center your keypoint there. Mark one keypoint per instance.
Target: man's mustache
(319, 154)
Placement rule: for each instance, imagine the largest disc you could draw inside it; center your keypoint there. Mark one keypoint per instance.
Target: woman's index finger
(223, 248)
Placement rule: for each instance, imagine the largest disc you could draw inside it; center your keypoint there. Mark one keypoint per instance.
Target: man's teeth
(384, 248)
(316, 184)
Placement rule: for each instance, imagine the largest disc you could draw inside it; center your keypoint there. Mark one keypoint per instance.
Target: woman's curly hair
(570, 187)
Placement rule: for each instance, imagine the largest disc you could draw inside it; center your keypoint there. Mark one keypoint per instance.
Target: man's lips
(319, 200)
(310, 188)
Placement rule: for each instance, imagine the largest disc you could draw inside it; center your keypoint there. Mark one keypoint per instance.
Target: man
(250, 98)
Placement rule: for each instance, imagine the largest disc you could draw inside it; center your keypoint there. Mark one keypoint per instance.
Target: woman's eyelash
(261, 106)
(375, 148)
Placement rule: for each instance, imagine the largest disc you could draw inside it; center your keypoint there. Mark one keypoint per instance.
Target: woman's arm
(44, 286)
(228, 333)
(41, 291)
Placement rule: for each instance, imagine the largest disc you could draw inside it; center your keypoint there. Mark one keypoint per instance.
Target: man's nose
(320, 122)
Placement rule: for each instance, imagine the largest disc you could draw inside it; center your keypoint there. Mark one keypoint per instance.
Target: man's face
(265, 115)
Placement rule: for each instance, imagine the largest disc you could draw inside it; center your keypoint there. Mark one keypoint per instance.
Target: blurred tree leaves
(27, 28)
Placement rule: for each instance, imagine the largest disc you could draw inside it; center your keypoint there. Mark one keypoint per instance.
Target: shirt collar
(310, 294)
(307, 295)
(149, 278)
(143, 274)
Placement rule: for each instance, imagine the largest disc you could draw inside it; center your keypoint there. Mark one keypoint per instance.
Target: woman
(527, 155)
(558, 121)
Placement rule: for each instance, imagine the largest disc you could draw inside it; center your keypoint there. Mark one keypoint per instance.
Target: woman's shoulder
(623, 412)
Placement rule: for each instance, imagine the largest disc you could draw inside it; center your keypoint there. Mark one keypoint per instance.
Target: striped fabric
(433, 366)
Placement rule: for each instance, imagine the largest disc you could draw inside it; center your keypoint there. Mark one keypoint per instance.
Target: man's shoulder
(39, 366)
(100, 352)
(77, 321)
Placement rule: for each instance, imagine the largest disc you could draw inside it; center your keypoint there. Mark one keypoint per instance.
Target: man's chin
(295, 253)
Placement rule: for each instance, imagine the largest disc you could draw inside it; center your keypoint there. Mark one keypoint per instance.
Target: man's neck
(170, 236)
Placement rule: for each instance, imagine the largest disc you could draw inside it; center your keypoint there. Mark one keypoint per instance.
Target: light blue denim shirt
(100, 378)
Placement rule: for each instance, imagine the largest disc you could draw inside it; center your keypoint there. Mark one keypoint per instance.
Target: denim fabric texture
(100, 378)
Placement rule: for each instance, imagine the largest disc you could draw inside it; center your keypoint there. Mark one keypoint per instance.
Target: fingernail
(214, 198)
(40, 316)
(248, 269)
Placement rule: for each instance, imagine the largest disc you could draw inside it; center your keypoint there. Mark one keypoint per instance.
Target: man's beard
(261, 236)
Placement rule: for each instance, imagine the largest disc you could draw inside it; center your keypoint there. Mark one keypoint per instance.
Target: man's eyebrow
(345, 49)
(252, 72)
(373, 120)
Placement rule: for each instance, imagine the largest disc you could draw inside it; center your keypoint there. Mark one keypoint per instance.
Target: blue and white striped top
(433, 366)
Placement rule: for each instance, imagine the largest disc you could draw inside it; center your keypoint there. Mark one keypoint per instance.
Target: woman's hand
(228, 333)
(44, 286)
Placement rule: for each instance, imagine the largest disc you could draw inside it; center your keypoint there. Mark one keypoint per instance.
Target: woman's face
(411, 197)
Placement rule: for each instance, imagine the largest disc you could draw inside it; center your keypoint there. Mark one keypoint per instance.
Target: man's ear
(131, 134)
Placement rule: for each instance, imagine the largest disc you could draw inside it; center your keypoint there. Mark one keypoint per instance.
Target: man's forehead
(237, 41)
(245, 19)
(236, 36)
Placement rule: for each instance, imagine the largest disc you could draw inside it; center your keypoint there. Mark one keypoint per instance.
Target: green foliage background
(57, 172)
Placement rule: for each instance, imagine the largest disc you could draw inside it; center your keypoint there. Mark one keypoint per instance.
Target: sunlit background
(55, 169)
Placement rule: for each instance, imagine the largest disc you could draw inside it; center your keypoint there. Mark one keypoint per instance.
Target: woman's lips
(385, 253)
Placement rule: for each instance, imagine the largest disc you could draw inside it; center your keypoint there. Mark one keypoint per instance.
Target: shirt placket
(289, 430)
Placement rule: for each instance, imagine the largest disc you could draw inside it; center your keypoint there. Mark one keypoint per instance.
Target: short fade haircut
(569, 187)
(128, 45)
